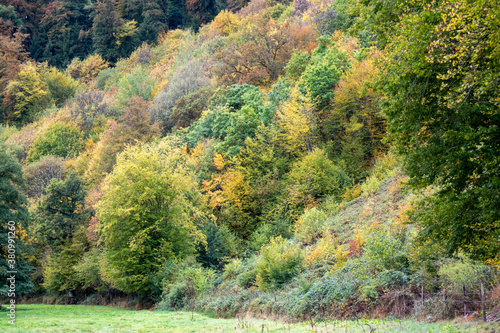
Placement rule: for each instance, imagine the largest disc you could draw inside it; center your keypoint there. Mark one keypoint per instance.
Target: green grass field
(81, 318)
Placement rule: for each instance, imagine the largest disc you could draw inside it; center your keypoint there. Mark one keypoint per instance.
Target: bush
(176, 298)
(384, 251)
(186, 280)
(90, 270)
(265, 232)
(456, 273)
(310, 225)
(280, 261)
(315, 177)
(6, 131)
(60, 140)
(246, 273)
(326, 252)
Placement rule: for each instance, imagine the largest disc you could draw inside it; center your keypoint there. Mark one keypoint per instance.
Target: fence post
(465, 300)
(422, 295)
(482, 301)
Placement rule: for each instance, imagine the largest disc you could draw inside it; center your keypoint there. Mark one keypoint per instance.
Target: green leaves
(59, 140)
(442, 109)
(146, 216)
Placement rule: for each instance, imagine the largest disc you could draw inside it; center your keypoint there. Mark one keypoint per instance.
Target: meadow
(82, 318)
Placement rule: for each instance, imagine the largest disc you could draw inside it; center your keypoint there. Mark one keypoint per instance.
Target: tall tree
(12, 208)
(105, 22)
(147, 217)
(443, 92)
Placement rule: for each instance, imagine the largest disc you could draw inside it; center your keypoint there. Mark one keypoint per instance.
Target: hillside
(300, 160)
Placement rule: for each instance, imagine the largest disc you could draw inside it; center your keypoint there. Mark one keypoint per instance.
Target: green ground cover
(81, 318)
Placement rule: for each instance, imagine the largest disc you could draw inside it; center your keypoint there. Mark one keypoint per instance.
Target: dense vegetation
(306, 159)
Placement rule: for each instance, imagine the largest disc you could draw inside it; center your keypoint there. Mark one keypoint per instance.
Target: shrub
(6, 131)
(456, 273)
(315, 177)
(326, 251)
(60, 140)
(90, 270)
(280, 261)
(176, 298)
(310, 225)
(186, 279)
(247, 273)
(382, 250)
(231, 269)
(19, 143)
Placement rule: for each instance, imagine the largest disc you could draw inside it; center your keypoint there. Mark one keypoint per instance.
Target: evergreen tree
(105, 23)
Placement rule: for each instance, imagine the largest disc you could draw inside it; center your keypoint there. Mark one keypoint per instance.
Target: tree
(60, 85)
(146, 214)
(87, 70)
(39, 174)
(60, 213)
(261, 51)
(133, 127)
(186, 79)
(354, 126)
(106, 20)
(442, 110)
(234, 116)
(312, 178)
(12, 208)
(26, 96)
(319, 78)
(60, 139)
(12, 52)
(189, 107)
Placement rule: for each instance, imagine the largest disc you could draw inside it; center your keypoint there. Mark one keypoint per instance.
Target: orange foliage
(267, 49)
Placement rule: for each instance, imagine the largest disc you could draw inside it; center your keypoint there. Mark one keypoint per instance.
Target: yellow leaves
(219, 162)
(159, 87)
(296, 122)
(89, 145)
(126, 30)
(226, 23)
(351, 193)
(235, 188)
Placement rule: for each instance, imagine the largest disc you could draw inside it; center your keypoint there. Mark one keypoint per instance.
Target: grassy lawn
(81, 318)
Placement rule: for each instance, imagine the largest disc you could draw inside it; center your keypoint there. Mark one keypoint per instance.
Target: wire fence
(467, 299)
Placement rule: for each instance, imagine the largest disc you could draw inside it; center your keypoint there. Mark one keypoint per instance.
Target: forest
(302, 159)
